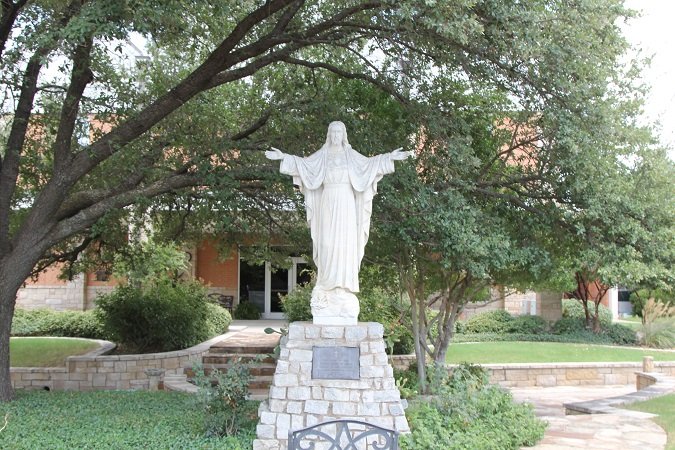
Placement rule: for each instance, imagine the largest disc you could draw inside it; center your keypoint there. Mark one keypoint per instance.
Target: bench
(343, 435)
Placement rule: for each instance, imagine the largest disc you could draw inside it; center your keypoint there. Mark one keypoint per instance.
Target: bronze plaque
(336, 363)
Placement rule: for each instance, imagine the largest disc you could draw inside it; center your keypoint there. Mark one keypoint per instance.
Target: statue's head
(337, 135)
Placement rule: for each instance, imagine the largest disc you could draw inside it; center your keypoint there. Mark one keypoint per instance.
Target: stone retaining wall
(98, 372)
(570, 374)
(558, 374)
(106, 372)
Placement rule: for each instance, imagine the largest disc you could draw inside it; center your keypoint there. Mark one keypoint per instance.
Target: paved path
(597, 431)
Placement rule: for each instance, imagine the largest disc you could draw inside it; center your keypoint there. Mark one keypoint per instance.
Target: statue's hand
(400, 155)
(274, 154)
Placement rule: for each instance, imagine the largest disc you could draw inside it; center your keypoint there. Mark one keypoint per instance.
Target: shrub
(75, 324)
(407, 381)
(574, 308)
(218, 319)
(44, 322)
(583, 336)
(246, 311)
(30, 322)
(497, 321)
(528, 325)
(296, 304)
(658, 327)
(569, 325)
(639, 299)
(468, 413)
(163, 316)
(621, 334)
(222, 396)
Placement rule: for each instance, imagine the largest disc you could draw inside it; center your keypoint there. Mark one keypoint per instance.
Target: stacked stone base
(296, 400)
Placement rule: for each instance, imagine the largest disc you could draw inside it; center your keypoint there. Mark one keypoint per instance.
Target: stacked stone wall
(108, 372)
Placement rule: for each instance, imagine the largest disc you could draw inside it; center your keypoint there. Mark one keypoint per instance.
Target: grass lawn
(633, 322)
(47, 351)
(112, 420)
(665, 408)
(547, 352)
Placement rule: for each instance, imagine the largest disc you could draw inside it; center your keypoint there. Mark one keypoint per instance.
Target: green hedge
(162, 317)
(45, 322)
(497, 321)
(246, 311)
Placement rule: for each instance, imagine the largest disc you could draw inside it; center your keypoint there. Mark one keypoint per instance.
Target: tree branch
(69, 256)
(88, 216)
(258, 124)
(81, 76)
(9, 168)
(350, 75)
(10, 10)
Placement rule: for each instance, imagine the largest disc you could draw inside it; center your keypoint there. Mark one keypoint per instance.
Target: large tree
(227, 78)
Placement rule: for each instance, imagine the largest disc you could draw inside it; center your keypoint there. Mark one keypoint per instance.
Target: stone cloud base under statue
(334, 307)
(327, 373)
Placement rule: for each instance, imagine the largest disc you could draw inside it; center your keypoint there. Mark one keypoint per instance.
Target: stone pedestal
(298, 400)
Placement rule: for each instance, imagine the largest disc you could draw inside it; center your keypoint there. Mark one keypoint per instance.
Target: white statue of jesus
(338, 184)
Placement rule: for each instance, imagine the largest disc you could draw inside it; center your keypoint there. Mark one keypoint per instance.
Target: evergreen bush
(160, 317)
(468, 413)
(497, 321)
(296, 304)
(246, 311)
(528, 325)
(45, 322)
(574, 308)
(621, 334)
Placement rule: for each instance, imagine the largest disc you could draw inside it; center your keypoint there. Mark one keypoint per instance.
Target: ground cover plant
(114, 420)
(466, 412)
(547, 352)
(665, 408)
(46, 352)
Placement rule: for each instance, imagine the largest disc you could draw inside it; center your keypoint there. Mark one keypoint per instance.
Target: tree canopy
(506, 102)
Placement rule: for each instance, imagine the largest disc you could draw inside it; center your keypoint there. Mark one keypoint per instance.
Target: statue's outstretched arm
(400, 155)
(274, 154)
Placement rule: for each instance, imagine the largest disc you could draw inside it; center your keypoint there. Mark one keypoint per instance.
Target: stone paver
(596, 431)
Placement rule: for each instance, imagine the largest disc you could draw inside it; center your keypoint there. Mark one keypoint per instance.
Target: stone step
(247, 342)
(259, 370)
(258, 383)
(243, 349)
(258, 394)
(222, 358)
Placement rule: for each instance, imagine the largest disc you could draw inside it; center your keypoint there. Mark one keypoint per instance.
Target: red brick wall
(215, 271)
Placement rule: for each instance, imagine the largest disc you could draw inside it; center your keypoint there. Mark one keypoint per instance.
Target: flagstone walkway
(630, 431)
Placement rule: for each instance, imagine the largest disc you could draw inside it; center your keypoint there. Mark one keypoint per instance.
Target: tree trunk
(597, 328)
(446, 332)
(8, 289)
(15, 267)
(418, 337)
